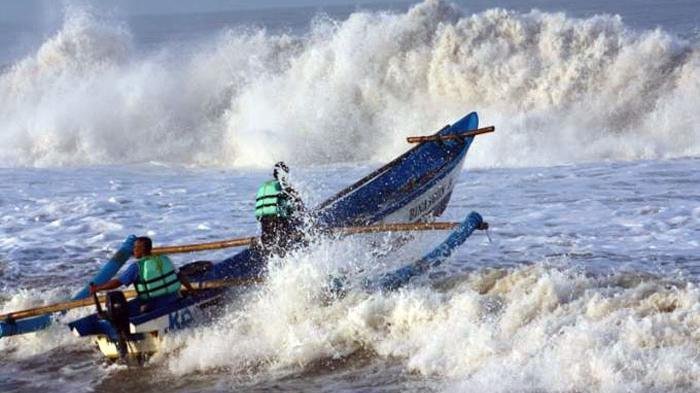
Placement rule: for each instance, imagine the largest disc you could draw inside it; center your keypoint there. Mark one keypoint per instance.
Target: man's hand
(184, 281)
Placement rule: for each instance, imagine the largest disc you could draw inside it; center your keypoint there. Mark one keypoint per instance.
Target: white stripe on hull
(424, 205)
(175, 320)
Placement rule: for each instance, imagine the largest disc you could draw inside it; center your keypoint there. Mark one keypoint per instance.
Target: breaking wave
(56, 336)
(533, 328)
(559, 90)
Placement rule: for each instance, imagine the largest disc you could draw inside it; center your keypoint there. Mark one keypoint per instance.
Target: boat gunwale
(445, 170)
(378, 172)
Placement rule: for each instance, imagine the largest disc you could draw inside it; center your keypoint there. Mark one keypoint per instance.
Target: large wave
(559, 90)
(534, 328)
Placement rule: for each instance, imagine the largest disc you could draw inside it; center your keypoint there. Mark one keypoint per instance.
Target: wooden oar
(431, 138)
(69, 305)
(246, 241)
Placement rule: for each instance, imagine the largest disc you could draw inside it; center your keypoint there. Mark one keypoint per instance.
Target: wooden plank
(434, 138)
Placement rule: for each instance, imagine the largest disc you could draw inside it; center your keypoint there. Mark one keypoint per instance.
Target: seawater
(113, 125)
(589, 283)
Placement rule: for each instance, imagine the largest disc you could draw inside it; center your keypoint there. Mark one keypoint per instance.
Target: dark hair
(280, 166)
(146, 242)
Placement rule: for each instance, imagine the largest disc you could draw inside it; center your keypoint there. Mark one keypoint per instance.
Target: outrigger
(406, 193)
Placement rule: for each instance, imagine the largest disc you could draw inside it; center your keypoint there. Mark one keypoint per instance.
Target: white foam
(537, 328)
(559, 90)
(56, 336)
(493, 325)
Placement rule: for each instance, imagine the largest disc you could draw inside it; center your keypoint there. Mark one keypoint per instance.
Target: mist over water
(559, 89)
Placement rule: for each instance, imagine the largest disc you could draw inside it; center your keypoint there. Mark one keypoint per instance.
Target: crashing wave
(559, 89)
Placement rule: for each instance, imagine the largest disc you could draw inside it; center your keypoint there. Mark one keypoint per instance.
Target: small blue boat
(413, 187)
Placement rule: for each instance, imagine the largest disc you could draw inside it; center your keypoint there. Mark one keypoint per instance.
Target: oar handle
(432, 138)
(96, 300)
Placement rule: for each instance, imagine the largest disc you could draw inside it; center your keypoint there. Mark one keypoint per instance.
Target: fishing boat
(414, 187)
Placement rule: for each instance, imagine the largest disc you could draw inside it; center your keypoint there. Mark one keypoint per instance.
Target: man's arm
(130, 275)
(295, 199)
(111, 284)
(292, 195)
(184, 281)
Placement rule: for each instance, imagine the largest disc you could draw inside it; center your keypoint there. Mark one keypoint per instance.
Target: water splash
(559, 89)
(531, 328)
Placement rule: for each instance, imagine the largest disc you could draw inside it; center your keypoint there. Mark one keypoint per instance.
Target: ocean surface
(162, 119)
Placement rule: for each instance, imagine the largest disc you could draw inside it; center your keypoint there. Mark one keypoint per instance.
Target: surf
(589, 89)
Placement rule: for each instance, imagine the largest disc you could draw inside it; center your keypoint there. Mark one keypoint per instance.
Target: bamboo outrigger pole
(210, 284)
(246, 241)
(239, 242)
(89, 301)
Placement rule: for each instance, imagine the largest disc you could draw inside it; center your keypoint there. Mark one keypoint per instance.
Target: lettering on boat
(180, 319)
(426, 204)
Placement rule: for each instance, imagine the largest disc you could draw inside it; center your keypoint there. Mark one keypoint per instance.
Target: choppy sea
(149, 120)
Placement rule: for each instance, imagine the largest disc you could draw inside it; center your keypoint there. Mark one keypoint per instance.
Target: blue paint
(110, 268)
(180, 319)
(173, 322)
(398, 183)
(400, 277)
(27, 325)
(162, 306)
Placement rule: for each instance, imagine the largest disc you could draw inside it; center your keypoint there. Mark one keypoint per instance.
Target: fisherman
(153, 276)
(280, 210)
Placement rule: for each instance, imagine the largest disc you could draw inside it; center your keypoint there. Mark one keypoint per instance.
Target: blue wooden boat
(413, 187)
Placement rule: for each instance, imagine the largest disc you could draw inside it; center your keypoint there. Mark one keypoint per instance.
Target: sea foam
(530, 328)
(559, 90)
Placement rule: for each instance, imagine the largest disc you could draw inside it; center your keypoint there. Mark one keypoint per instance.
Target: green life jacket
(271, 201)
(157, 277)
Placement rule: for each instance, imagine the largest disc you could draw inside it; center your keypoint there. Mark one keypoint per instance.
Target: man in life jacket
(153, 276)
(279, 209)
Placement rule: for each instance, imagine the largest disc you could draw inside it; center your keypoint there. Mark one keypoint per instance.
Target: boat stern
(140, 349)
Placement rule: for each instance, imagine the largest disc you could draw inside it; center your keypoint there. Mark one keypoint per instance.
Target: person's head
(142, 247)
(281, 170)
